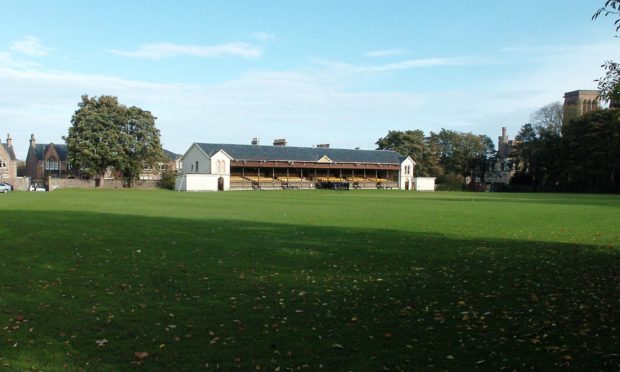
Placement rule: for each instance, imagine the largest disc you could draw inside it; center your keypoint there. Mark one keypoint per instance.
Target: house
(171, 163)
(8, 161)
(45, 160)
(211, 167)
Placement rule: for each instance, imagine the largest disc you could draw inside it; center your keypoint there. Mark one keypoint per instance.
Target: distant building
(8, 161)
(170, 163)
(47, 160)
(503, 166)
(213, 167)
(580, 102)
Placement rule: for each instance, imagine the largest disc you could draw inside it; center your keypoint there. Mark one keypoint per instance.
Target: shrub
(167, 180)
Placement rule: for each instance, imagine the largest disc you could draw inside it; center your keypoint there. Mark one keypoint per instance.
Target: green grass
(308, 279)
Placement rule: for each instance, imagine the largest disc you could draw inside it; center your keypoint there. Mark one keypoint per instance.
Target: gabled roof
(61, 150)
(9, 150)
(306, 154)
(171, 155)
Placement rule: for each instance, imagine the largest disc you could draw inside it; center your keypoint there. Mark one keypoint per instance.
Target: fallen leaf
(141, 355)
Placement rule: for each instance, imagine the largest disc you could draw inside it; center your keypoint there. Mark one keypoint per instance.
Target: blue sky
(338, 72)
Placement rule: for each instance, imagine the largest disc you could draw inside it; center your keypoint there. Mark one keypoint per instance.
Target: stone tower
(579, 102)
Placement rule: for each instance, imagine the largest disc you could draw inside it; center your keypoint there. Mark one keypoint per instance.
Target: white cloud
(316, 104)
(425, 62)
(262, 36)
(386, 52)
(31, 46)
(166, 50)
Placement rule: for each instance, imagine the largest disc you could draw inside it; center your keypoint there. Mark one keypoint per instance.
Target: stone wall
(67, 183)
(18, 183)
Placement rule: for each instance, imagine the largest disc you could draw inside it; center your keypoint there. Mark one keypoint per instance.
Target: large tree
(412, 143)
(141, 145)
(594, 156)
(464, 154)
(540, 150)
(105, 134)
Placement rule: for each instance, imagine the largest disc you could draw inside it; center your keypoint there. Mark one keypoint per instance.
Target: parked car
(5, 187)
(37, 187)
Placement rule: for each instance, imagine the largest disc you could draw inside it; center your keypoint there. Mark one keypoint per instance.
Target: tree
(594, 143)
(609, 85)
(141, 146)
(106, 134)
(612, 7)
(540, 151)
(549, 119)
(412, 143)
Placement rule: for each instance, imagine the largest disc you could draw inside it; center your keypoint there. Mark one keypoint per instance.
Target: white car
(35, 187)
(5, 187)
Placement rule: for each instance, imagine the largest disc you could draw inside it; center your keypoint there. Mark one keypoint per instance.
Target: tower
(579, 102)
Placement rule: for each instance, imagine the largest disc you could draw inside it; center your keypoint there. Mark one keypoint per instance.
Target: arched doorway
(406, 184)
(220, 184)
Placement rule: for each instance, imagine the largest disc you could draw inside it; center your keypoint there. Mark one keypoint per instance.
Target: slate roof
(307, 154)
(61, 150)
(171, 155)
(9, 150)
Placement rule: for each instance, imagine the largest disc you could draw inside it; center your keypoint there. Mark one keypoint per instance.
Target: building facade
(212, 167)
(8, 161)
(47, 160)
(580, 102)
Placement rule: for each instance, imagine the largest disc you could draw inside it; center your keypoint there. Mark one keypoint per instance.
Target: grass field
(308, 280)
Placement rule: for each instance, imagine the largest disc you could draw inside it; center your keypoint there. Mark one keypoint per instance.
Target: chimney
(279, 142)
(33, 142)
(255, 141)
(9, 140)
(323, 146)
(503, 131)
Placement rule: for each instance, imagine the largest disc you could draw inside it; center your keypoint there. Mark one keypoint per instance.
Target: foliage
(465, 154)
(584, 155)
(105, 134)
(309, 280)
(594, 156)
(612, 7)
(451, 182)
(141, 146)
(609, 85)
(446, 152)
(167, 180)
(412, 143)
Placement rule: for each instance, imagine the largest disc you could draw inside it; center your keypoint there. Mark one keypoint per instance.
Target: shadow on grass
(93, 289)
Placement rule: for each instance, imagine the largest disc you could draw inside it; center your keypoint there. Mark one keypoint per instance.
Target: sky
(339, 72)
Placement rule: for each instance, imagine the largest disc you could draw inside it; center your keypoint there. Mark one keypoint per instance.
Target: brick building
(45, 160)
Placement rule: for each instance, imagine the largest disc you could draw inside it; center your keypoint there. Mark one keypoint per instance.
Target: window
(196, 166)
(2, 163)
(51, 164)
(221, 166)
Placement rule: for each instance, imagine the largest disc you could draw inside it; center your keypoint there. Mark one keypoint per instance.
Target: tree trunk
(99, 181)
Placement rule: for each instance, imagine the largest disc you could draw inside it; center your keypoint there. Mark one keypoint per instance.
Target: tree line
(449, 155)
(578, 154)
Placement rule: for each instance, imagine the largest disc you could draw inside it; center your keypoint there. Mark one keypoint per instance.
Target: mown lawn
(308, 280)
